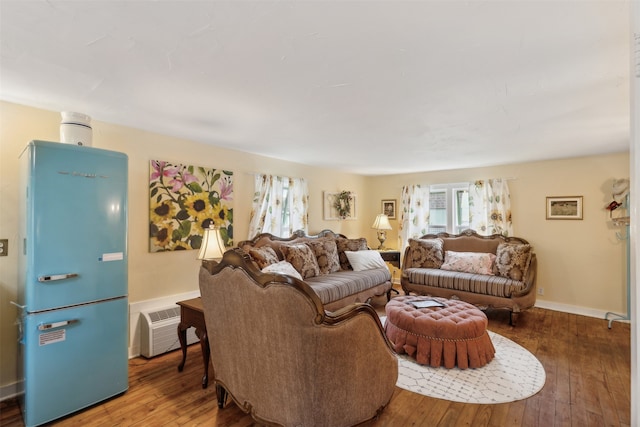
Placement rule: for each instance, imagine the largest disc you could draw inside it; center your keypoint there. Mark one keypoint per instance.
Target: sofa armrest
(356, 349)
(405, 257)
(530, 280)
(343, 314)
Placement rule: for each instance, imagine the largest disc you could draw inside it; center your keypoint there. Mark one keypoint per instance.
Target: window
(279, 206)
(449, 208)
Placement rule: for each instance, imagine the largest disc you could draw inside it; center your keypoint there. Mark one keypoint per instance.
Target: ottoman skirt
(449, 336)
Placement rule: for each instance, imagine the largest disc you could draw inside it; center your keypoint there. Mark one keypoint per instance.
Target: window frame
(452, 210)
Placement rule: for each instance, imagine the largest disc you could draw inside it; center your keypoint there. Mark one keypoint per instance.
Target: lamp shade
(381, 222)
(212, 246)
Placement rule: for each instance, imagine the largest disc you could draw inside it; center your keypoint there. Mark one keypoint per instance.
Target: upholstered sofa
(286, 360)
(487, 271)
(324, 262)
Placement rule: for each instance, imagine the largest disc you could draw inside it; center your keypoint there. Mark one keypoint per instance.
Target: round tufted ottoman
(439, 336)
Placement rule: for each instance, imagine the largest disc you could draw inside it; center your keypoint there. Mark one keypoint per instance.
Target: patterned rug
(513, 374)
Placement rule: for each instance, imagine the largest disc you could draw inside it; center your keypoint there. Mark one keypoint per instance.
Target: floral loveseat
(341, 271)
(487, 271)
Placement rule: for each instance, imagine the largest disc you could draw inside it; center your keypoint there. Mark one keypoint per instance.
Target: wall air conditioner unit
(159, 331)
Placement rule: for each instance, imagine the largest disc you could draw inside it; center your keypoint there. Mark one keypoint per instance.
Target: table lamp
(381, 223)
(212, 247)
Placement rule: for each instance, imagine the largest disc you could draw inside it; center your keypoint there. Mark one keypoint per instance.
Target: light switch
(4, 247)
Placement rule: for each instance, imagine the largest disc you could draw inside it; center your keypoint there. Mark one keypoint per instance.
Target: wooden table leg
(192, 315)
(206, 355)
(182, 336)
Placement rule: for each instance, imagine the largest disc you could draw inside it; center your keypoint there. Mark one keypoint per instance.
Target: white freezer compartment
(73, 358)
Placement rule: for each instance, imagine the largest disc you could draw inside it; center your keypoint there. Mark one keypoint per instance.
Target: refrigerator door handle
(52, 277)
(46, 326)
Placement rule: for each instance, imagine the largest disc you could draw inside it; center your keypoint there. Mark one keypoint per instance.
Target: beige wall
(581, 262)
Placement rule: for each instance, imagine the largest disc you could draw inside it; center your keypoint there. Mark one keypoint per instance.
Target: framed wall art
(566, 207)
(389, 208)
(183, 201)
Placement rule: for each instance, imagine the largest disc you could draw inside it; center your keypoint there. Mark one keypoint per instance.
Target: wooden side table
(391, 256)
(192, 314)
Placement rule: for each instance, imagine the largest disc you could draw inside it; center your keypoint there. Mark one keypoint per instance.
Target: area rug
(513, 374)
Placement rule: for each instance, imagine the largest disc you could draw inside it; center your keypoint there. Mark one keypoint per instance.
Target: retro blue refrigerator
(72, 288)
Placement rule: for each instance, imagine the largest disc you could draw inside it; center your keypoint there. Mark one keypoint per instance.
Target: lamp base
(382, 236)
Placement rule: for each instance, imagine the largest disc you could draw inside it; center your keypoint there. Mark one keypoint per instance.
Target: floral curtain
(298, 206)
(272, 206)
(414, 213)
(490, 207)
(266, 213)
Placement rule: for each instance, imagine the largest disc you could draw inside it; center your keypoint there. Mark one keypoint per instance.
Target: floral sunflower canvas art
(184, 200)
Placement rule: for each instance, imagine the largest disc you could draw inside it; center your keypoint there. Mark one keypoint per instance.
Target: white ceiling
(369, 87)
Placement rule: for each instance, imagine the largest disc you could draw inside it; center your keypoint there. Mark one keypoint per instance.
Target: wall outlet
(540, 291)
(4, 247)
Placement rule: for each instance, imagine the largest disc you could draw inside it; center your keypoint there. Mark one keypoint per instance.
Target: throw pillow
(349, 245)
(326, 252)
(469, 262)
(512, 260)
(425, 253)
(365, 260)
(302, 258)
(282, 267)
(263, 256)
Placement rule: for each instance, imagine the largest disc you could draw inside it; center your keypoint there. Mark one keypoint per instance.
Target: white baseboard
(9, 391)
(136, 308)
(572, 309)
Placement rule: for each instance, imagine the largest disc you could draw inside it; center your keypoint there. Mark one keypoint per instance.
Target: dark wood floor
(587, 367)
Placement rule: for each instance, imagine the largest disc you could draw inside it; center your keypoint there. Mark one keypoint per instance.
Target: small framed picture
(564, 207)
(389, 208)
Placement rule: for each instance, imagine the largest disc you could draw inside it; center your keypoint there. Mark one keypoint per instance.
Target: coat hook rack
(623, 221)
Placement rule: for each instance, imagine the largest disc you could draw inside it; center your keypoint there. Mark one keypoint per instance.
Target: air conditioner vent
(159, 331)
(169, 313)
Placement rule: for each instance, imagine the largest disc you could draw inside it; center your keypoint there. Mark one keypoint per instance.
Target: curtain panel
(414, 214)
(273, 206)
(490, 207)
(298, 206)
